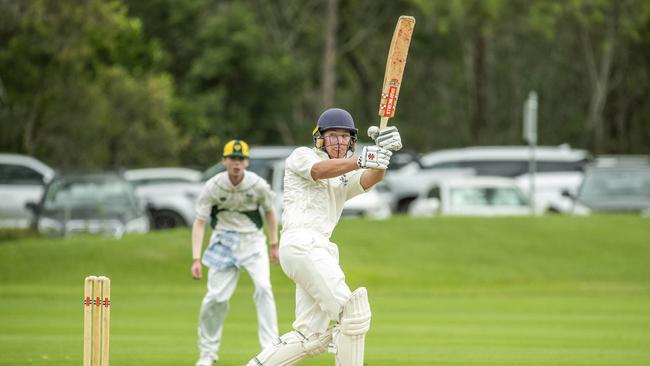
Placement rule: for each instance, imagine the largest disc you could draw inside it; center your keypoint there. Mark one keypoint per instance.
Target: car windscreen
(616, 183)
(482, 196)
(76, 193)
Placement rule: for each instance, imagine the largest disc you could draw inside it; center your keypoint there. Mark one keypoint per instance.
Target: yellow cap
(235, 148)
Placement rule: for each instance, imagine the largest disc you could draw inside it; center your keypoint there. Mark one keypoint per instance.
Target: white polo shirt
(250, 194)
(314, 205)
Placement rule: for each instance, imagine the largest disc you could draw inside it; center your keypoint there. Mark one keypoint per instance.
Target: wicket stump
(97, 317)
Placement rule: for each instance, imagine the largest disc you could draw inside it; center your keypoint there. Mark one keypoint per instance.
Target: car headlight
(47, 225)
(138, 225)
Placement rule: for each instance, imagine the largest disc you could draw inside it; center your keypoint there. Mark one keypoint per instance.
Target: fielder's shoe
(205, 361)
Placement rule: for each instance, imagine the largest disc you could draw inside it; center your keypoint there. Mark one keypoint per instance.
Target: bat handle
(383, 123)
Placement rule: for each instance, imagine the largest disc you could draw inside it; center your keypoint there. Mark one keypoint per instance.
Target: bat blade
(399, 47)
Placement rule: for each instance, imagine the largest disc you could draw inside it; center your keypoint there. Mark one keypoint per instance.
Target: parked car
(90, 203)
(507, 161)
(614, 187)
(170, 194)
(475, 196)
(558, 167)
(22, 179)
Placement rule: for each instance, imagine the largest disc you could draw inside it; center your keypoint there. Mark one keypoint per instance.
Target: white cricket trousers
(221, 286)
(312, 262)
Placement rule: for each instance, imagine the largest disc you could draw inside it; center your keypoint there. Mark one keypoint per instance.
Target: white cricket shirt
(314, 205)
(252, 192)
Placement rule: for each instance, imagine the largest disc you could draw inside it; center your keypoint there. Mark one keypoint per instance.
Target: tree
(55, 61)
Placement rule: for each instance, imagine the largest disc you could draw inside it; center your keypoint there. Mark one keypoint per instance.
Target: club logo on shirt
(344, 180)
(222, 199)
(249, 197)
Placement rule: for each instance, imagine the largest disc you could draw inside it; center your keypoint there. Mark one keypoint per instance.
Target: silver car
(93, 203)
(22, 179)
(617, 188)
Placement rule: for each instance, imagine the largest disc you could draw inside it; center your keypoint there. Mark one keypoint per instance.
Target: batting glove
(387, 138)
(374, 157)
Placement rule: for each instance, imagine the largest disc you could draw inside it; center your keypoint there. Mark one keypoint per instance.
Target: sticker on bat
(391, 99)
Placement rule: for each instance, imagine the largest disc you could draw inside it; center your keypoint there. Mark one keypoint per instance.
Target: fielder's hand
(374, 157)
(196, 269)
(387, 138)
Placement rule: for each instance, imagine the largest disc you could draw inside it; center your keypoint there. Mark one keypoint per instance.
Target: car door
(18, 185)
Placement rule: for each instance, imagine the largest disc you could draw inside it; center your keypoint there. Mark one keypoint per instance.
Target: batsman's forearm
(198, 230)
(371, 177)
(333, 168)
(271, 226)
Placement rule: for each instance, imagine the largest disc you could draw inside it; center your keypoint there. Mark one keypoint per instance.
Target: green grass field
(462, 291)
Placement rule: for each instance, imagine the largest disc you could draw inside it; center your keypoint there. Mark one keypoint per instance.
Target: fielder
(231, 200)
(317, 183)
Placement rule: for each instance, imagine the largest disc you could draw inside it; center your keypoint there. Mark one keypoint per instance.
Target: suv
(507, 161)
(22, 179)
(170, 194)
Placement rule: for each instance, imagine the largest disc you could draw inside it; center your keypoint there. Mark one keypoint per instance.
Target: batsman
(317, 182)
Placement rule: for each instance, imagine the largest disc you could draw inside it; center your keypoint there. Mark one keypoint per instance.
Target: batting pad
(350, 337)
(292, 348)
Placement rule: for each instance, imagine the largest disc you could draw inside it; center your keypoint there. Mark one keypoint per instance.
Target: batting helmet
(331, 119)
(336, 118)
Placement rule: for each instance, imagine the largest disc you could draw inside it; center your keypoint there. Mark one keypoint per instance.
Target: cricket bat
(399, 48)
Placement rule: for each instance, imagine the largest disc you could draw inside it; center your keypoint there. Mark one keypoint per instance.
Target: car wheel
(404, 203)
(165, 219)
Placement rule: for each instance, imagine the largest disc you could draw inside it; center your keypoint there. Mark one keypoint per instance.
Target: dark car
(90, 203)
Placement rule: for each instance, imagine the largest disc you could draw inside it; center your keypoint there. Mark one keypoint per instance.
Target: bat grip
(383, 123)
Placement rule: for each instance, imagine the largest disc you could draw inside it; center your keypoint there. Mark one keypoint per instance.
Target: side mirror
(32, 206)
(566, 193)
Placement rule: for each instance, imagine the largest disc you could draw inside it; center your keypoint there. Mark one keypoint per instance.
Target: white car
(507, 161)
(170, 194)
(22, 180)
(475, 196)
(558, 168)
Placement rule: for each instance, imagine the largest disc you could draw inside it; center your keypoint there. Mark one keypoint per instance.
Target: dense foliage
(97, 84)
